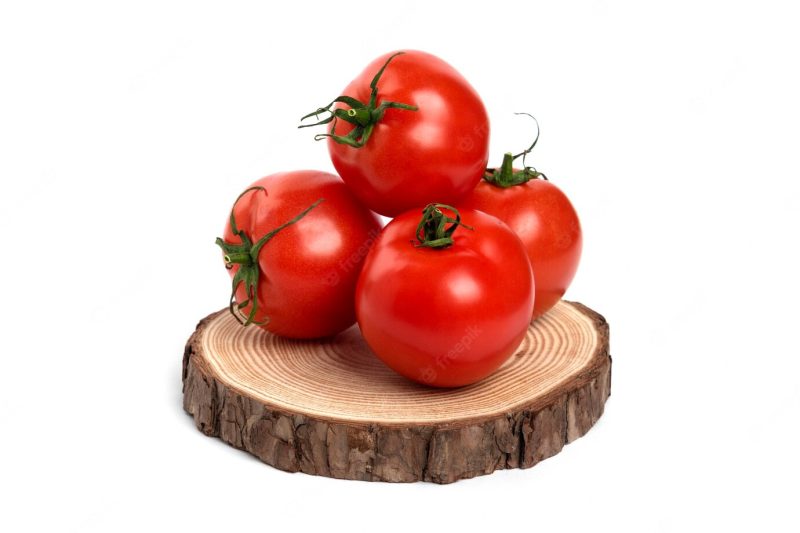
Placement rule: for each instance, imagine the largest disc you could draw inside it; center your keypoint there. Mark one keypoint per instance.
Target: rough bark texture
(440, 453)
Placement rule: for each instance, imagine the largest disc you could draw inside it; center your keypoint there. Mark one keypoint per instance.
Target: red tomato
(548, 226)
(410, 158)
(303, 279)
(445, 316)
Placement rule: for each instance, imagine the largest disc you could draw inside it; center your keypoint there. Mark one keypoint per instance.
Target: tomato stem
(245, 254)
(238, 259)
(433, 230)
(362, 116)
(506, 176)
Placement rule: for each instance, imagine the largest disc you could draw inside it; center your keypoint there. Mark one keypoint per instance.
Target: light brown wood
(332, 408)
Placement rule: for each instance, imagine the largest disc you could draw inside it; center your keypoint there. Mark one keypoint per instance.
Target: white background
(127, 130)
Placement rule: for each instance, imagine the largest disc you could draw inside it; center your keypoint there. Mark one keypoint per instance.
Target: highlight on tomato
(543, 218)
(294, 245)
(409, 130)
(445, 296)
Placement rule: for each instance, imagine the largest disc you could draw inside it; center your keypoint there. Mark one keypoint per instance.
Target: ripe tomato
(448, 309)
(546, 222)
(301, 283)
(417, 132)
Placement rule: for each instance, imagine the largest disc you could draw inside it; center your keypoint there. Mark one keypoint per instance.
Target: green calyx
(506, 176)
(245, 255)
(435, 229)
(362, 116)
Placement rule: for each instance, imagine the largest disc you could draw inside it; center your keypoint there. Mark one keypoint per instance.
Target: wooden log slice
(331, 408)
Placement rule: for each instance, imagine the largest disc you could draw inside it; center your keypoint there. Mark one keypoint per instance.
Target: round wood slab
(332, 408)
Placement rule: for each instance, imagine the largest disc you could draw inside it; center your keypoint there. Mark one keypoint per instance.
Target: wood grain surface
(332, 408)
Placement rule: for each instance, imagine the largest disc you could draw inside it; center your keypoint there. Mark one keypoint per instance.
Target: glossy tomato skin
(445, 317)
(546, 222)
(437, 153)
(309, 269)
